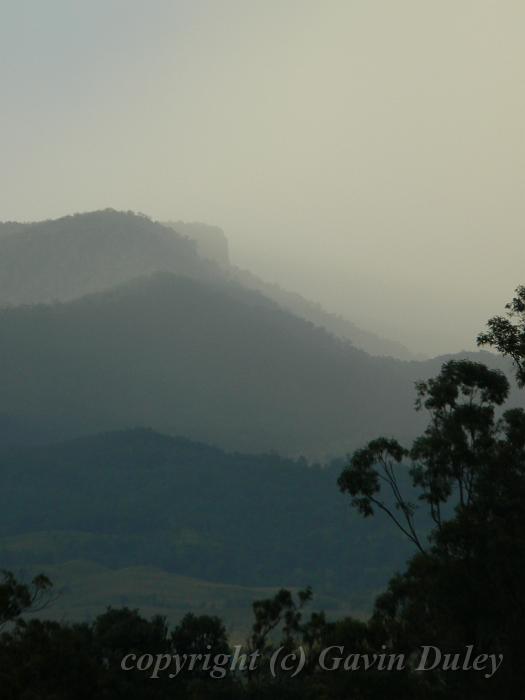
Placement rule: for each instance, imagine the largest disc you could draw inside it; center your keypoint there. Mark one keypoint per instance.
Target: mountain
(69, 257)
(9, 227)
(316, 314)
(210, 361)
(203, 350)
(193, 351)
(137, 498)
(66, 258)
(207, 360)
(213, 245)
(211, 240)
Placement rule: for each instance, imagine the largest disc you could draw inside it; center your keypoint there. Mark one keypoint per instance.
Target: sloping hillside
(204, 360)
(197, 359)
(67, 258)
(213, 244)
(137, 498)
(76, 255)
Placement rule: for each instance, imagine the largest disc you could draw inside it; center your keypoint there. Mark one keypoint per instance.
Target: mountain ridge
(198, 358)
(66, 258)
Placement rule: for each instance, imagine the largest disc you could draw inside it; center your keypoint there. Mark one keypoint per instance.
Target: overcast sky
(367, 153)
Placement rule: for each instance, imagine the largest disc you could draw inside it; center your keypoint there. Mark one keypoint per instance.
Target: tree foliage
(507, 333)
(466, 584)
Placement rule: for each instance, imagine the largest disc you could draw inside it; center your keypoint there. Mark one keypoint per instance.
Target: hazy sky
(368, 153)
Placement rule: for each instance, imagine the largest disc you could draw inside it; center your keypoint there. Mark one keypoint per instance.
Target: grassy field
(85, 589)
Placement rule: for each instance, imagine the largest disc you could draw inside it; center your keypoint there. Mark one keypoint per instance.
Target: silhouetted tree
(17, 598)
(507, 334)
(466, 584)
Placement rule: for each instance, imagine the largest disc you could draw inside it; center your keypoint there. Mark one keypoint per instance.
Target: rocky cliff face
(211, 240)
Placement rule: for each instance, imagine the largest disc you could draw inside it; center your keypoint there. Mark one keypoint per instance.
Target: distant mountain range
(147, 346)
(213, 245)
(211, 361)
(64, 259)
(191, 351)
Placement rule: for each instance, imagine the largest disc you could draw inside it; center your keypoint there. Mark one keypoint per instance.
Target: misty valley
(191, 462)
(262, 350)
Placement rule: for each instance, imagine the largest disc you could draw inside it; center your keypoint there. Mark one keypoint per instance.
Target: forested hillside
(137, 498)
(199, 360)
(64, 259)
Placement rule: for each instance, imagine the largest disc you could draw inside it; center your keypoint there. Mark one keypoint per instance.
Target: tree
(200, 634)
(466, 584)
(17, 598)
(507, 334)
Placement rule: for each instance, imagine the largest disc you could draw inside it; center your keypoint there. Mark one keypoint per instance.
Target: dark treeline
(188, 508)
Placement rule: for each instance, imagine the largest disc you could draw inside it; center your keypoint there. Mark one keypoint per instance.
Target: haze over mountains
(76, 255)
(158, 370)
(181, 343)
(66, 258)
(213, 244)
